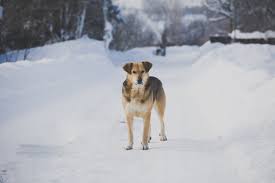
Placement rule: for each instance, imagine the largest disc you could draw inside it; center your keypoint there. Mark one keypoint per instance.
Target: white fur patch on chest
(136, 107)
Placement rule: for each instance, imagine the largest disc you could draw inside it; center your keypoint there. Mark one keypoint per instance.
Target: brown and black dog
(140, 93)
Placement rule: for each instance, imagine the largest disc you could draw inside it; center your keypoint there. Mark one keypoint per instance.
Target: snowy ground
(61, 119)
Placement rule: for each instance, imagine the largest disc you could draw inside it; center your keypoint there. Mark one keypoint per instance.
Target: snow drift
(61, 118)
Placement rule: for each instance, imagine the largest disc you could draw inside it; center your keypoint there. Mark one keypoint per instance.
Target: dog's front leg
(130, 119)
(146, 128)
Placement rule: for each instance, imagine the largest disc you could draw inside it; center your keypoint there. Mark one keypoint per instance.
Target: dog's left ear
(147, 66)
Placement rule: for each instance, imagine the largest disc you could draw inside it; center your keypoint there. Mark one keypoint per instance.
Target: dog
(140, 93)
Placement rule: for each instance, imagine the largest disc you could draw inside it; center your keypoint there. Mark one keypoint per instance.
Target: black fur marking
(126, 90)
(147, 66)
(154, 85)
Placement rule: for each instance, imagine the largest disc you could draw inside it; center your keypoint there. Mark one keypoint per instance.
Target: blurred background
(126, 24)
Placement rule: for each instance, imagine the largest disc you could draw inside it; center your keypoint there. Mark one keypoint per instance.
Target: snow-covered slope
(61, 119)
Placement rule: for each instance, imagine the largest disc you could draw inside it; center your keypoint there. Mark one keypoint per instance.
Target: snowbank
(252, 35)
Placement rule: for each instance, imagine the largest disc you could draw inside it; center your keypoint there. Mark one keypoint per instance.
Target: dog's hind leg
(160, 108)
(130, 119)
(149, 137)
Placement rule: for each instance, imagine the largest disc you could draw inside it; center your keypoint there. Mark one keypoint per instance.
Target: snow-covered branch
(217, 19)
(218, 7)
(80, 22)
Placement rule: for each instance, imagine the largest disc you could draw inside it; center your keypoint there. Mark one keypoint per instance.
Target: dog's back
(154, 85)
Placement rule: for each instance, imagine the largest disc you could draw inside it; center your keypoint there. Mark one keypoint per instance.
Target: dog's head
(138, 73)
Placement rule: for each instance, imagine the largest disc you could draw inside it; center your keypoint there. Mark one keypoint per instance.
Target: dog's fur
(140, 93)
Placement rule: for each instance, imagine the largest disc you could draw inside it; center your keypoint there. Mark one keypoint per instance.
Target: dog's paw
(129, 147)
(149, 140)
(144, 146)
(163, 138)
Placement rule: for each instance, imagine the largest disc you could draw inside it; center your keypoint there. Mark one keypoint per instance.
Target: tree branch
(218, 10)
(217, 19)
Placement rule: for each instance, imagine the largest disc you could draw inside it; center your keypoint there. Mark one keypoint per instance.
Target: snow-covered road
(61, 118)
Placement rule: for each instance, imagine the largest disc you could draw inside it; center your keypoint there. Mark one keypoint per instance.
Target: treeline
(29, 23)
(165, 23)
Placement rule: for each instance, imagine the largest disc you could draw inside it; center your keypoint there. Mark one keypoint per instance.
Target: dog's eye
(134, 72)
(142, 72)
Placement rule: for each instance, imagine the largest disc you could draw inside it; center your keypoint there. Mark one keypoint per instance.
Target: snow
(189, 19)
(157, 27)
(191, 3)
(270, 34)
(61, 117)
(252, 35)
(108, 35)
(138, 4)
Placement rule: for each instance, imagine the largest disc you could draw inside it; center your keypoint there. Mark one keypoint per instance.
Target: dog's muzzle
(139, 82)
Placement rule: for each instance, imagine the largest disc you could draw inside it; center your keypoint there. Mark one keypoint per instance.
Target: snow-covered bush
(136, 31)
(194, 29)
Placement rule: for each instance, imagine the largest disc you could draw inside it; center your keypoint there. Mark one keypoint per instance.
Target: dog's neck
(133, 92)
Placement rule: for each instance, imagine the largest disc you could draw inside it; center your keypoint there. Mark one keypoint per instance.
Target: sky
(138, 3)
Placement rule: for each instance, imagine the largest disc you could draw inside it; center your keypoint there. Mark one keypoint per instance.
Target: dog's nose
(139, 81)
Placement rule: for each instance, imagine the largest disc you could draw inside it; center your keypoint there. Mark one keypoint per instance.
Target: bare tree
(255, 15)
(167, 13)
(223, 9)
(112, 15)
(31, 23)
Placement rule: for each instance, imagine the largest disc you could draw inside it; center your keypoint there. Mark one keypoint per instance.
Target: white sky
(138, 3)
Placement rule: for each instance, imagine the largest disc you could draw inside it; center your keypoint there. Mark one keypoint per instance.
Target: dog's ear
(147, 66)
(128, 67)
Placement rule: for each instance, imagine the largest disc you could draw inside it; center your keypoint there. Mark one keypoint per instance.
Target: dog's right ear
(147, 65)
(128, 67)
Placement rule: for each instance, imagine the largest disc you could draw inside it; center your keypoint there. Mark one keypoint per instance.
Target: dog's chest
(136, 104)
(136, 107)
(137, 93)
